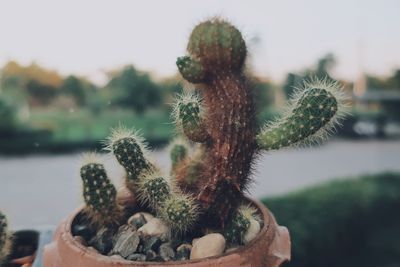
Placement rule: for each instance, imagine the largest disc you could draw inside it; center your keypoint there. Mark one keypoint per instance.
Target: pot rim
(67, 236)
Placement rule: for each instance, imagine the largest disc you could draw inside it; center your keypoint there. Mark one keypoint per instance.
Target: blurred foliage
(32, 90)
(320, 70)
(7, 116)
(386, 83)
(135, 90)
(346, 223)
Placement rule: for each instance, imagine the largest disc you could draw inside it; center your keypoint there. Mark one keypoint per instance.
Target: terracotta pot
(269, 249)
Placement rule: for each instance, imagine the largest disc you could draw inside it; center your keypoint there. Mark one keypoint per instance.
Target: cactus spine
(223, 122)
(99, 193)
(5, 238)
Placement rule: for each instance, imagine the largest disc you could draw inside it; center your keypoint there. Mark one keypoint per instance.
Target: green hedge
(352, 222)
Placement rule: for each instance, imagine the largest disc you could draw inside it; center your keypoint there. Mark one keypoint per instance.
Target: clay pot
(269, 249)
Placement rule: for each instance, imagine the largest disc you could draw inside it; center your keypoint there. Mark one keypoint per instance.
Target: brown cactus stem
(230, 122)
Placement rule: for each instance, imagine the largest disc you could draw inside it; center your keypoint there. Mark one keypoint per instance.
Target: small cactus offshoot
(179, 150)
(239, 225)
(154, 190)
(180, 212)
(130, 150)
(99, 193)
(5, 238)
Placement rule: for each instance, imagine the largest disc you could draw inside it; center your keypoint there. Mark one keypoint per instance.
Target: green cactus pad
(154, 190)
(217, 44)
(190, 69)
(98, 192)
(314, 114)
(180, 213)
(130, 155)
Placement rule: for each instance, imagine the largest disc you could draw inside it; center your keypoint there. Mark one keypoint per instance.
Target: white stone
(252, 232)
(154, 227)
(147, 216)
(208, 246)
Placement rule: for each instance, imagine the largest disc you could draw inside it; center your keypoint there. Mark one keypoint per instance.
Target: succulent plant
(238, 226)
(5, 238)
(207, 187)
(150, 187)
(220, 116)
(99, 193)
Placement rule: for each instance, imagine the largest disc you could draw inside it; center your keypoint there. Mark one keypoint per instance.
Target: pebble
(183, 252)
(166, 252)
(82, 230)
(126, 243)
(137, 221)
(207, 246)
(102, 241)
(252, 232)
(147, 216)
(92, 249)
(137, 257)
(118, 257)
(151, 255)
(154, 227)
(150, 242)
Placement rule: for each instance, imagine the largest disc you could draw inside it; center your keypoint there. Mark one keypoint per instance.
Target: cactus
(99, 193)
(235, 231)
(130, 150)
(180, 212)
(5, 238)
(147, 184)
(179, 150)
(222, 120)
(154, 190)
(207, 187)
(314, 110)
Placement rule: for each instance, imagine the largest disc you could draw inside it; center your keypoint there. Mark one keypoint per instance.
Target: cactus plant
(207, 187)
(144, 180)
(223, 121)
(5, 238)
(99, 193)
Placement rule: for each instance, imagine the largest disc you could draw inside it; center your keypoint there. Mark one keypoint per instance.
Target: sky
(88, 37)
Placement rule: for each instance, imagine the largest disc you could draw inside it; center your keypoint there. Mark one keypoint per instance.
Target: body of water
(43, 189)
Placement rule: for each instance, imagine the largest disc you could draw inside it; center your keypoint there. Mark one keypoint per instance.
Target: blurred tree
(263, 93)
(7, 116)
(320, 70)
(134, 89)
(292, 81)
(40, 94)
(74, 87)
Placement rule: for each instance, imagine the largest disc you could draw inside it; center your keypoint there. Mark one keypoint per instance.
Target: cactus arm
(191, 69)
(314, 111)
(130, 151)
(188, 115)
(99, 193)
(178, 151)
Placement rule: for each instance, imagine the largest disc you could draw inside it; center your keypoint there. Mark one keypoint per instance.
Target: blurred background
(71, 70)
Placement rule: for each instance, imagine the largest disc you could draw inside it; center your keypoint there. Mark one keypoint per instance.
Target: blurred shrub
(7, 116)
(354, 222)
